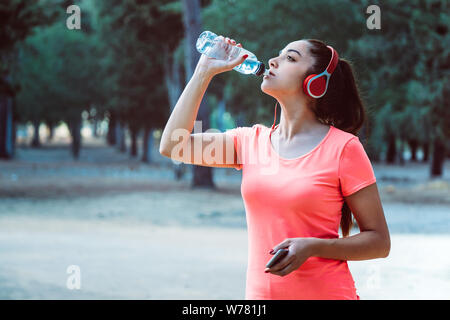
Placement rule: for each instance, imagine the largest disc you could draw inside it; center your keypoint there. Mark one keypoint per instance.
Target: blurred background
(82, 182)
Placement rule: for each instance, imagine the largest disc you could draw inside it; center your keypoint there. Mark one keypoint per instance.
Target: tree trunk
(413, 145)
(95, 128)
(392, 150)
(51, 131)
(6, 127)
(193, 27)
(7, 104)
(401, 153)
(171, 77)
(14, 137)
(134, 133)
(123, 143)
(147, 145)
(36, 142)
(437, 163)
(426, 151)
(173, 85)
(75, 131)
(111, 135)
(120, 137)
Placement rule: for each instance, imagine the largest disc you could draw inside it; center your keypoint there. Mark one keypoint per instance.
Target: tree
(57, 71)
(193, 28)
(406, 75)
(18, 18)
(136, 43)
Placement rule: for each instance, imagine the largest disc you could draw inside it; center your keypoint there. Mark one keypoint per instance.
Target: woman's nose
(272, 63)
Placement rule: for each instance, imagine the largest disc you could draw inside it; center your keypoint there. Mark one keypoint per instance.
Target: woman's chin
(266, 89)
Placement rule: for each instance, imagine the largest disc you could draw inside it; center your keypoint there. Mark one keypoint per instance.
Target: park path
(137, 234)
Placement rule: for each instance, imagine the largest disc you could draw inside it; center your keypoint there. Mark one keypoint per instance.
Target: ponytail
(341, 106)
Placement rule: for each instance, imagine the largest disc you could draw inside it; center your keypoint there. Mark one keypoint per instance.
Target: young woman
(320, 173)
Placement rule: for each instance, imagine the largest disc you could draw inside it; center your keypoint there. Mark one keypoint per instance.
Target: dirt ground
(136, 233)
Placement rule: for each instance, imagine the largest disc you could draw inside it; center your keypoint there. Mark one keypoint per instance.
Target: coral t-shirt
(292, 198)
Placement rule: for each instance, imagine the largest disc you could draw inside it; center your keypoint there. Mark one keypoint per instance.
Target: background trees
(129, 63)
(18, 18)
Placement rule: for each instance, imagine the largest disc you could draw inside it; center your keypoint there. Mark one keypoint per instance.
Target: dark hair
(341, 106)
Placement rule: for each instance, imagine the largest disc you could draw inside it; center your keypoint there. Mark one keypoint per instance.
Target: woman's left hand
(300, 249)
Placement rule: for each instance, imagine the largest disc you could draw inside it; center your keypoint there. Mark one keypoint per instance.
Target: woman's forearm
(362, 246)
(185, 111)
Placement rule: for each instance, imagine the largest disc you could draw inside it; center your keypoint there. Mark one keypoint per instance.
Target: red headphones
(315, 85)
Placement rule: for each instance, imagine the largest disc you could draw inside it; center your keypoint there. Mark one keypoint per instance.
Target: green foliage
(407, 70)
(116, 61)
(137, 36)
(57, 71)
(17, 20)
(19, 17)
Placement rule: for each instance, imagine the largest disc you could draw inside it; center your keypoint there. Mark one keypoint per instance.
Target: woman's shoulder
(341, 137)
(254, 129)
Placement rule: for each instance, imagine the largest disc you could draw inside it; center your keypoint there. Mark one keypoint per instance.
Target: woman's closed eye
(288, 57)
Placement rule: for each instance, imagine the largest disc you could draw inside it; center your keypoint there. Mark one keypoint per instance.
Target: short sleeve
(238, 134)
(355, 169)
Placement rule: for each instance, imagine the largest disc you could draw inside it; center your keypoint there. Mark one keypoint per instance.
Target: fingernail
(245, 56)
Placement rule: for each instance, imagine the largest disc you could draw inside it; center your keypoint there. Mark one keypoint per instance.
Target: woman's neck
(296, 118)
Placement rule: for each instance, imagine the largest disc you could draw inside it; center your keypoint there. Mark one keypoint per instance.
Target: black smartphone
(277, 257)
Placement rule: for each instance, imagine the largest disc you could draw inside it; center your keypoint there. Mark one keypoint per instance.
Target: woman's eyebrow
(292, 51)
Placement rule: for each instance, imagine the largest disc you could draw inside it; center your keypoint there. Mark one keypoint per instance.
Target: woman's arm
(185, 111)
(372, 242)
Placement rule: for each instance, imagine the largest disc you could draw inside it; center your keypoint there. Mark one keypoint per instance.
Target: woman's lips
(271, 74)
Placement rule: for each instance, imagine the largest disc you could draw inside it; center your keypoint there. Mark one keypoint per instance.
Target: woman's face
(289, 69)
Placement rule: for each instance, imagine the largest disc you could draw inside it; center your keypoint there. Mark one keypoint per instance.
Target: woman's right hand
(212, 66)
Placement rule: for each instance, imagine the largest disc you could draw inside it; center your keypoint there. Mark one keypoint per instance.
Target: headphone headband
(333, 61)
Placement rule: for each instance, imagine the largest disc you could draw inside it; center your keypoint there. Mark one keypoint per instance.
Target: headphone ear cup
(316, 86)
(305, 84)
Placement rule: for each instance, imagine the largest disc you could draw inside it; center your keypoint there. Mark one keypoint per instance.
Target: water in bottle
(209, 45)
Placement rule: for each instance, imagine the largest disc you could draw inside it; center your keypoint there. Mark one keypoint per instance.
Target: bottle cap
(261, 69)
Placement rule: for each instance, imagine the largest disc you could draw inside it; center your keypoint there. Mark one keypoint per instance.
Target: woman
(320, 174)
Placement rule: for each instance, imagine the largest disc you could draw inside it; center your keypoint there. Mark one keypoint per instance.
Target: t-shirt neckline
(302, 156)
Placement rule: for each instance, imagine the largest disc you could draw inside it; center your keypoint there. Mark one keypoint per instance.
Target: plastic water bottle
(207, 45)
